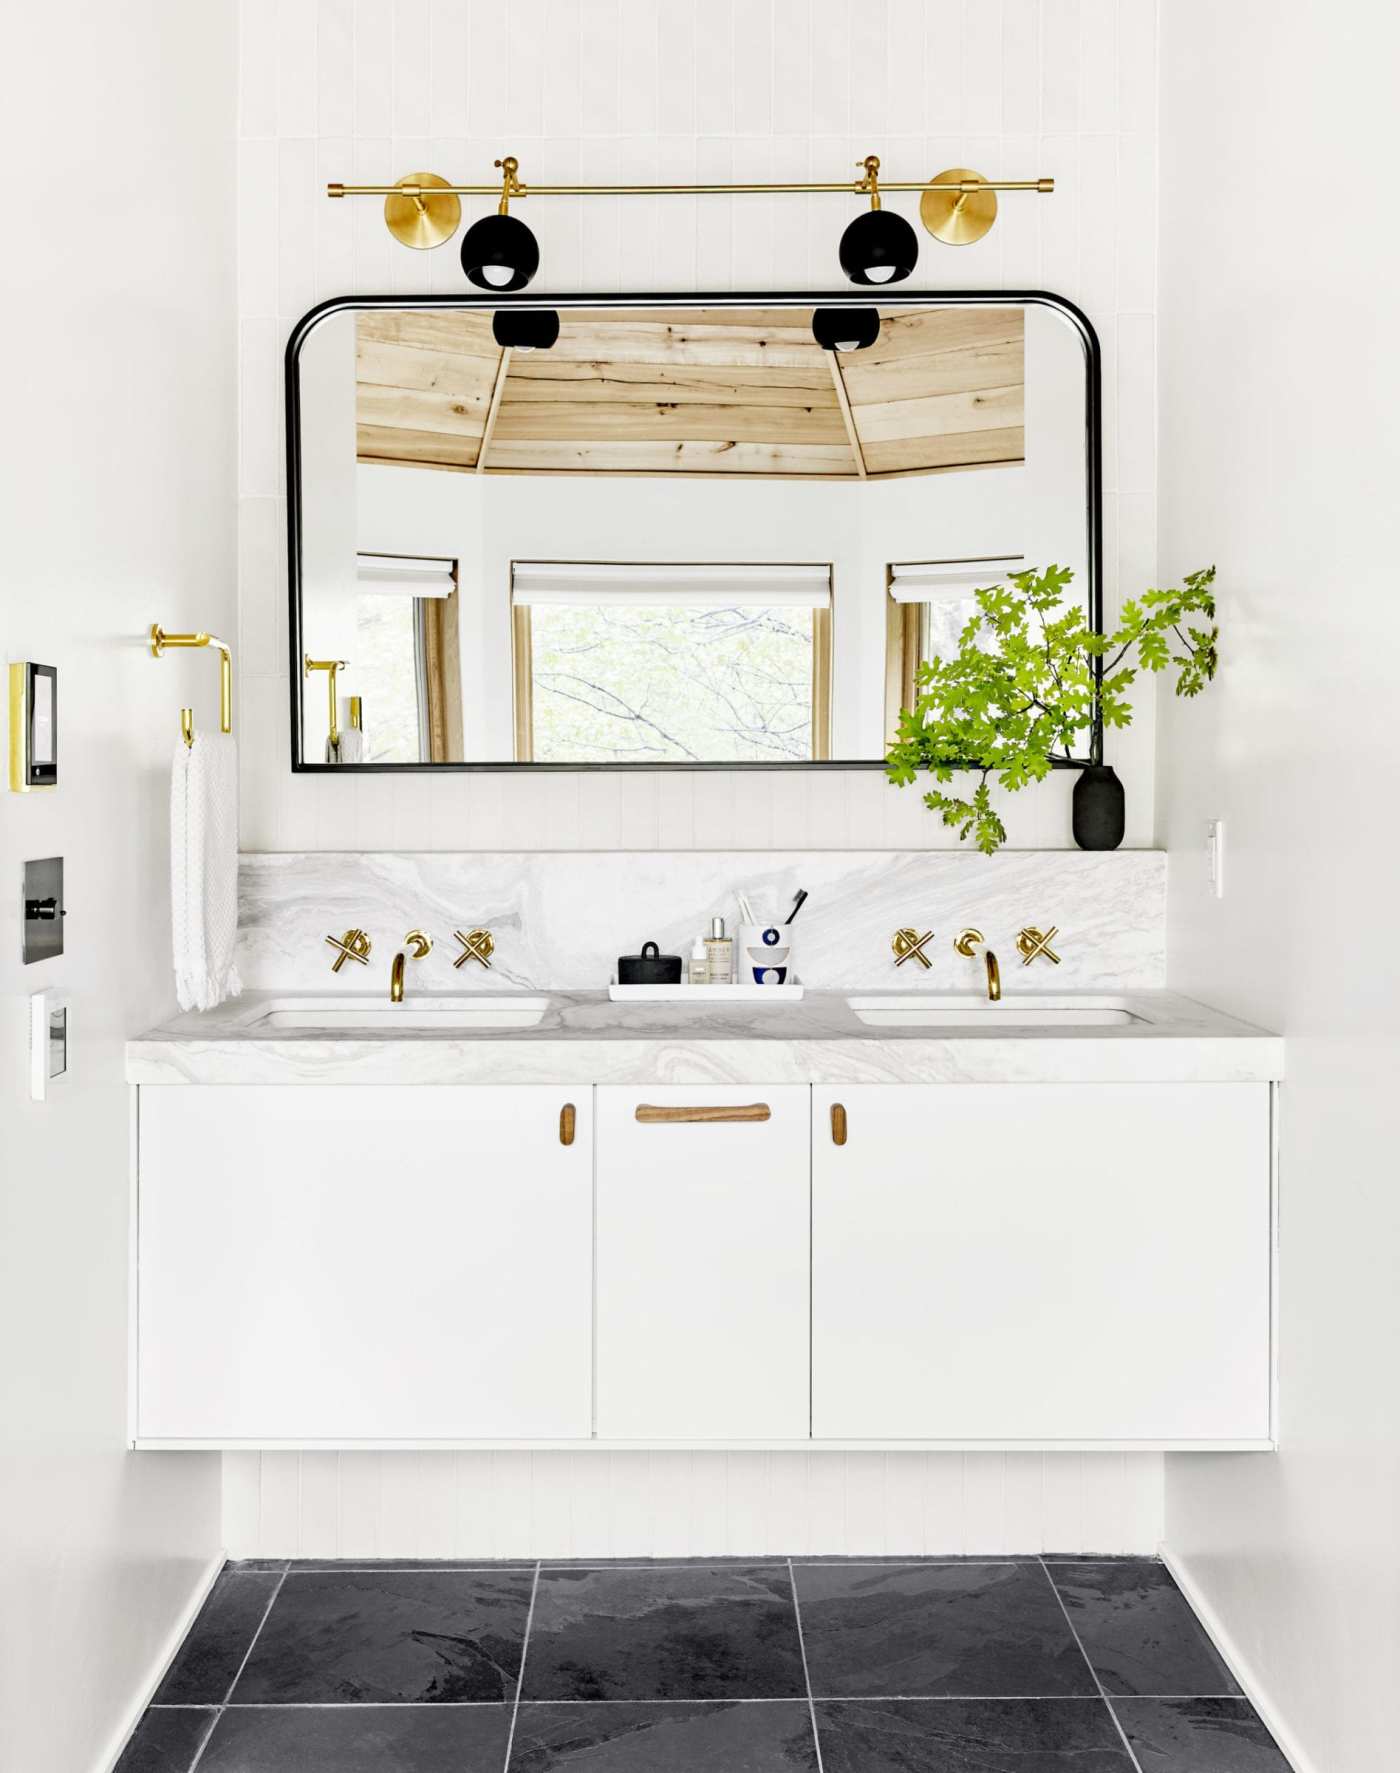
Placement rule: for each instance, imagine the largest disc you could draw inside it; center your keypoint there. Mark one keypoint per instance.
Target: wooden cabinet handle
(838, 1123)
(567, 1121)
(649, 1115)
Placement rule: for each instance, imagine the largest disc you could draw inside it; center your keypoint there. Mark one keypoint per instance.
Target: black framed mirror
(641, 532)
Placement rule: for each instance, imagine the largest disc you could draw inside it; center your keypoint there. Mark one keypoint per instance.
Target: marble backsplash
(561, 919)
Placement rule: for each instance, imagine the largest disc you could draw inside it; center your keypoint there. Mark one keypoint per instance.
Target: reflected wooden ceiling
(696, 392)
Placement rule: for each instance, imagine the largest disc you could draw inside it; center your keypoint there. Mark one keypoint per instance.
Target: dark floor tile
(360, 1739)
(676, 1737)
(277, 1564)
(341, 1566)
(1138, 1631)
(667, 1633)
(1198, 1736)
(207, 1661)
(970, 1736)
(415, 1637)
(167, 1741)
(936, 1630)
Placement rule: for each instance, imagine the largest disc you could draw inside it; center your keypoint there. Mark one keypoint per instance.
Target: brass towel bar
(160, 640)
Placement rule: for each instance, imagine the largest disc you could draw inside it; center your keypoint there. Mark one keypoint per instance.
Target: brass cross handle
(476, 945)
(907, 943)
(353, 945)
(1031, 943)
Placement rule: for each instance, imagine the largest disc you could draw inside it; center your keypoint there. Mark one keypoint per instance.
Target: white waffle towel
(351, 748)
(204, 869)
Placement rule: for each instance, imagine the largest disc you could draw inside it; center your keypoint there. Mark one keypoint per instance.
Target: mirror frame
(962, 298)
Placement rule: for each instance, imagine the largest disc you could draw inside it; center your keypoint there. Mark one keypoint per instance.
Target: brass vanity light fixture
(160, 641)
(500, 253)
(353, 945)
(967, 942)
(879, 246)
(330, 667)
(476, 945)
(908, 944)
(1031, 945)
(845, 329)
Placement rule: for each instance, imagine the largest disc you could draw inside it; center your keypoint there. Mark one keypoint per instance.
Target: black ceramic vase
(1098, 808)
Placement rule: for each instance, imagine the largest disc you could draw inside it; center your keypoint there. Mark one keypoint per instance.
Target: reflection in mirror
(677, 535)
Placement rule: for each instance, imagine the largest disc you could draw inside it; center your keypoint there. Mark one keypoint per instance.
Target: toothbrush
(798, 903)
(745, 909)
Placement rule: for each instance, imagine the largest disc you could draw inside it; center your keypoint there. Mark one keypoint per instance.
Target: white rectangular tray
(700, 995)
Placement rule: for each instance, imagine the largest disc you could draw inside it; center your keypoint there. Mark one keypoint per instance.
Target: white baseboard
(117, 1742)
(1297, 1756)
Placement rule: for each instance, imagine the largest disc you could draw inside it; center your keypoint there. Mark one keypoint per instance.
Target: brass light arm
(965, 186)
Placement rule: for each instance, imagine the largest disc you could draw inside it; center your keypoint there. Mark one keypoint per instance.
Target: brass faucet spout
(993, 978)
(396, 979)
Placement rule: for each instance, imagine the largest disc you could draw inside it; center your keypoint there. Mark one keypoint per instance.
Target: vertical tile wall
(603, 90)
(684, 91)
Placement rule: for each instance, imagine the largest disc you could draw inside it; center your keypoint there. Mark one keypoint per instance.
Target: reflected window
(930, 603)
(636, 663)
(406, 663)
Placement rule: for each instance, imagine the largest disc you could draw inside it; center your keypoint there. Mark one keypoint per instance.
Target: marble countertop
(585, 1038)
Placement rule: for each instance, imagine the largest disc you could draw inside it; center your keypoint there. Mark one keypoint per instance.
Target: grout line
(238, 1672)
(806, 1672)
(1128, 1747)
(520, 1679)
(777, 1699)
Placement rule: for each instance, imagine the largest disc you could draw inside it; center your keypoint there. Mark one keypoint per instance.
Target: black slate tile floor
(825, 1666)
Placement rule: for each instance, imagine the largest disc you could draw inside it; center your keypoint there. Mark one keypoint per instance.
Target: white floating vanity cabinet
(1021, 1265)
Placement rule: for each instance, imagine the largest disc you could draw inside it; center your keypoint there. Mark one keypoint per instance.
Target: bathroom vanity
(556, 1221)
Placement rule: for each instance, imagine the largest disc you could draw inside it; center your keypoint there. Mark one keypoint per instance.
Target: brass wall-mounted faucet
(908, 944)
(476, 945)
(1031, 945)
(353, 945)
(421, 945)
(967, 943)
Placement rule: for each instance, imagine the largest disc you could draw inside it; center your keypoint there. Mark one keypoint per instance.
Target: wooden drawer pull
(838, 1123)
(651, 1116)
(567, 1121)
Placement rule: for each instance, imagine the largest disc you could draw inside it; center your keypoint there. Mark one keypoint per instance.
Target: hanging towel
(351, 748)
(204, 869)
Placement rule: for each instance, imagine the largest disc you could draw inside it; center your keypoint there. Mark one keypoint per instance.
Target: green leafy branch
(1020, 692)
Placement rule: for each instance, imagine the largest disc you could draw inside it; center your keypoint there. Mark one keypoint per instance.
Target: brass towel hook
(160, 641)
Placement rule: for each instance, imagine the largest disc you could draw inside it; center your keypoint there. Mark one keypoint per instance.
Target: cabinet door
(703, 1263)
(1042, 1262)
(399, 1262)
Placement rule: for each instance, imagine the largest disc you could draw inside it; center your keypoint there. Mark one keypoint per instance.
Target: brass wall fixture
(1031, 945)
(967, 942)
(330, 667)
(476, 945)
(499, 252)
(353, 945)
(908, 944)
(161, 641)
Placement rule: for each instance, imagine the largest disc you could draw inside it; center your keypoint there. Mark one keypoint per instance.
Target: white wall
(116, 490)
(1279, 461)
(692, 90)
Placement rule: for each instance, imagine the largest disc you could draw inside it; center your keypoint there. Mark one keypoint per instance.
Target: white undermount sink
(347, 1014)
(960, 1010)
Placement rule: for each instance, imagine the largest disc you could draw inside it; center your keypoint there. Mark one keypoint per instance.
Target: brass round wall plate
(425, 221)
(957, 218)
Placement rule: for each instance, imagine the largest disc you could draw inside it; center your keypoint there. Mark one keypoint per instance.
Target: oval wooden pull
(567, 1121)
(838, 1123)
(650, 1115)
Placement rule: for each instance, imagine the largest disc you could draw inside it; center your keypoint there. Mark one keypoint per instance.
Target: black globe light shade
(879, 247)
(499, 252)
(525, 329)
(845, 329)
